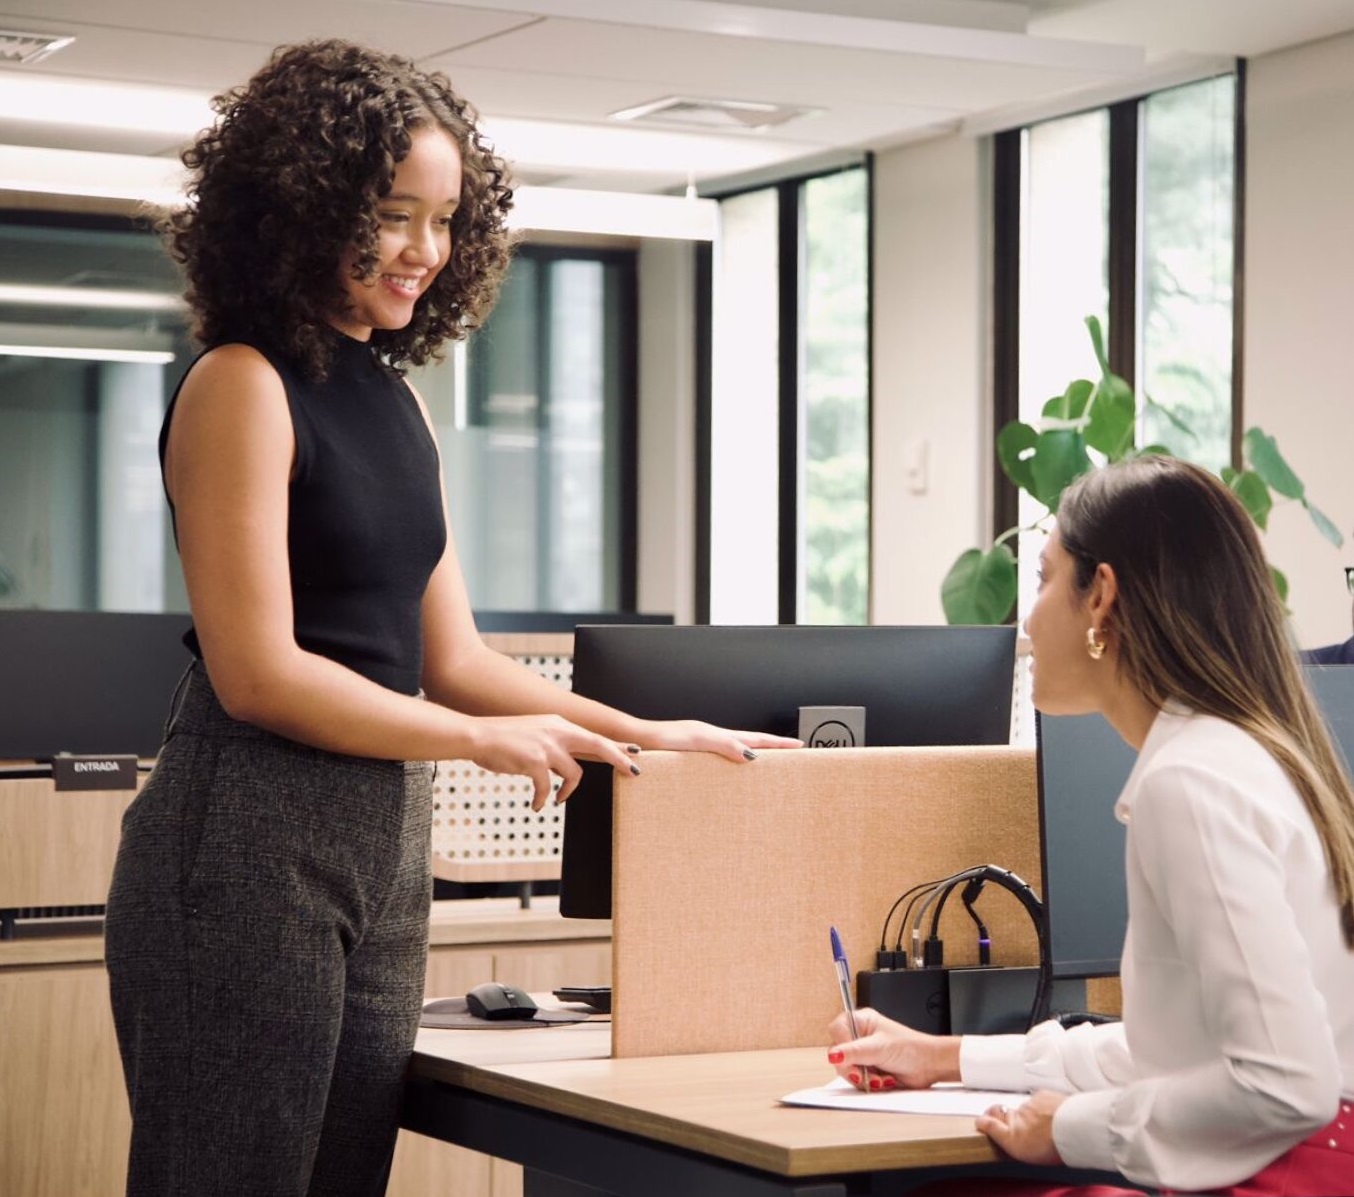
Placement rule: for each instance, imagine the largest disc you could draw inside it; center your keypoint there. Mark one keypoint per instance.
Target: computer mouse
(494, 1000)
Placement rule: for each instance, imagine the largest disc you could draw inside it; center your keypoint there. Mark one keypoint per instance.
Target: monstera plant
(1101, 418)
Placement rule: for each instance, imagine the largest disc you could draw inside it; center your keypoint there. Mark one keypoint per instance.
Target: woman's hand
(1026, 1132)
(692, 735)
(895, 1055)
(534, 746)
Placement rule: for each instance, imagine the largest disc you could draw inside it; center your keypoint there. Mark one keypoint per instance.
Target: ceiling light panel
(51, 99)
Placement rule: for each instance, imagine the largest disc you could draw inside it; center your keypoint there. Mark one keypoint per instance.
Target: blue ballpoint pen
(844, 984)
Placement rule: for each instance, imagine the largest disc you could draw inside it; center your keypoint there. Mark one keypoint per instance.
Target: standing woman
(1233, 1068)
(267, 925)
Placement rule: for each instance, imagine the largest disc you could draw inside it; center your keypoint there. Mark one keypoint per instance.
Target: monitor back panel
(1083, 765)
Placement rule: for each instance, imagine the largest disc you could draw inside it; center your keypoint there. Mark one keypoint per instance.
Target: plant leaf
(1324, 524)
(1228, 475)
(1098, 343)
(1280, 584)
(1250, 488)
(1059, 458)
(1266, 460)
(1071, 404)
(1111, 428)
(1015, 446)
(1151, 451)
(980, 587)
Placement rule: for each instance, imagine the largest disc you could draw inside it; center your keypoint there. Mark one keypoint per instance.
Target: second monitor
(918, 686)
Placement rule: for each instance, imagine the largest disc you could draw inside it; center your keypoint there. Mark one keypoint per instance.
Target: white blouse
(1237, 1039)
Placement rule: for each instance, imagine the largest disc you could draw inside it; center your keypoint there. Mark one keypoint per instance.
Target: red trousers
(1322, 1165)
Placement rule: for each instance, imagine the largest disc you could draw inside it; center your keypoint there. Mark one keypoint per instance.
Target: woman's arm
(461, 672)
(228, 466)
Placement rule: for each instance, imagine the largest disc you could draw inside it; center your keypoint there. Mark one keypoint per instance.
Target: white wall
(667, 434)
(1299, 280)
(931, 218)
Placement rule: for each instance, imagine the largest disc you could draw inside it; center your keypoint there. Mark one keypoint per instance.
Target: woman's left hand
(691, 735)
(1025, 1133)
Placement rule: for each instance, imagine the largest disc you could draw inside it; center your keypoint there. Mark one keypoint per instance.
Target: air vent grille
(28, 48)
(688, 112)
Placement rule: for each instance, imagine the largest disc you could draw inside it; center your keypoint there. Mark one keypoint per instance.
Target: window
(536, 423)
(1185, 291)
(1125, 213)
(833, 534)
(786, 452)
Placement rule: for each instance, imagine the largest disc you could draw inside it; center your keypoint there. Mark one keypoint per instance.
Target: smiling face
(414, 238)
(1066, 680)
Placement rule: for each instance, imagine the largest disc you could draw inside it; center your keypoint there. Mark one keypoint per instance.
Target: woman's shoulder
(1205, 756)
(236, 380)
(235, 357)
(234, 366)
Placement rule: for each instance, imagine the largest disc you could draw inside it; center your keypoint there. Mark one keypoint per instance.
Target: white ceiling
(546, 74)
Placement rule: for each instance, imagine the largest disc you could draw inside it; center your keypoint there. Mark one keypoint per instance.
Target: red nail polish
(836, 1056)
(854, 1078)
(876, 1083)
(890, 1083)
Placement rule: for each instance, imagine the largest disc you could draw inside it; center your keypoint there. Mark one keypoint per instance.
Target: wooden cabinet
(64, 1123)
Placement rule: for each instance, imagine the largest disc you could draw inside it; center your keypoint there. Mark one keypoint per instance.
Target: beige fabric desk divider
(727, 876)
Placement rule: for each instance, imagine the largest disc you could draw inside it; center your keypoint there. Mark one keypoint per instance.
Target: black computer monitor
(87, 681)
(1083, 765)
(918, 685)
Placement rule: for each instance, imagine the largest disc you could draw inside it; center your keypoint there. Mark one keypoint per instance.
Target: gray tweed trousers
(266, 937)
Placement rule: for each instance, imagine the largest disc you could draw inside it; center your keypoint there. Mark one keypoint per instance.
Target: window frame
(1123, 270)
(788, 191)
(625, 260)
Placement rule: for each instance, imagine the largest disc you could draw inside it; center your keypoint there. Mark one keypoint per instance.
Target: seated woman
(1233, 1068)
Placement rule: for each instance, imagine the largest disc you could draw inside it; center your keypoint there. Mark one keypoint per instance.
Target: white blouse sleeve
(1211, 860)
(1048, 1057)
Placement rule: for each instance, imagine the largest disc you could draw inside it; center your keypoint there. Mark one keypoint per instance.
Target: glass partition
(92, 343)
(536, 421)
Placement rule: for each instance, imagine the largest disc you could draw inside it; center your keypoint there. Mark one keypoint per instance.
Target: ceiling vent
(27, 48)
(685, 112)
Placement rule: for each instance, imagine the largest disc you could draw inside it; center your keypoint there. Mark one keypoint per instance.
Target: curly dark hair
(287, 182)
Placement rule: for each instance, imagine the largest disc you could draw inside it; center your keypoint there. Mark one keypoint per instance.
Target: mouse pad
(451, 1014)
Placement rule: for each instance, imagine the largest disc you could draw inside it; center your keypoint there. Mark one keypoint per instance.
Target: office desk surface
(723, 1105)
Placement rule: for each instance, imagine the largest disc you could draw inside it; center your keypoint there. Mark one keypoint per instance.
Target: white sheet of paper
(942, 1099)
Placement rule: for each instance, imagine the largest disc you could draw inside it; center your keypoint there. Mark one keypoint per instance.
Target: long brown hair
(1198, 620)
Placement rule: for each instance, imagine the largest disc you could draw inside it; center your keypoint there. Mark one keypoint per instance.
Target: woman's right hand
(888, 1049)
(534, 746)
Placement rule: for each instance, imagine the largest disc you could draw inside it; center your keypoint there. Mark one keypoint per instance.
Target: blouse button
(1332, 1143)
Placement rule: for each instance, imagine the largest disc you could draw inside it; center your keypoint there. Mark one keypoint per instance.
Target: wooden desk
(578, 1121)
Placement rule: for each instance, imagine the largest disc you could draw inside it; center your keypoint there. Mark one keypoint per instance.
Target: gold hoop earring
(1095, 646)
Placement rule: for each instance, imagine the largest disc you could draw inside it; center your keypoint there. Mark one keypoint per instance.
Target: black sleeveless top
(364, 524)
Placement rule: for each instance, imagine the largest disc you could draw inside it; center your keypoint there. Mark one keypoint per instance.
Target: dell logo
(831, 734)
(832, 727)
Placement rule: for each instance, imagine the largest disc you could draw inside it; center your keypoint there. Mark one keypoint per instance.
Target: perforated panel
(483, 824)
